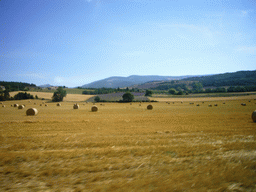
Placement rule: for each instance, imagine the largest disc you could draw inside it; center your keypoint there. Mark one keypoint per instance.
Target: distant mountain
(122, 82)
(45, 86)
(239, 78)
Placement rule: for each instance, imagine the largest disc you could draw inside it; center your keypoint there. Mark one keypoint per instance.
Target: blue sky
(73, 43)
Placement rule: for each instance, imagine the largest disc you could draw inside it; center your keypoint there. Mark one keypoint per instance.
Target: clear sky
(75, 42)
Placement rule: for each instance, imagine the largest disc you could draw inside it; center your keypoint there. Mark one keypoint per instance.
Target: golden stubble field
(124, 147)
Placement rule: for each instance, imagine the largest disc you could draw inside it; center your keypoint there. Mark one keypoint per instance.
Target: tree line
(97, 91)
(16, 86)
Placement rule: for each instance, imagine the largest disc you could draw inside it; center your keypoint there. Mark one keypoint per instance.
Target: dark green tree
(6, 94)
(172, 91)
(21, 96)
(180, 92)
(97, 99)
(197, 87)
(59, 95)
(148, 93)
(128, 97)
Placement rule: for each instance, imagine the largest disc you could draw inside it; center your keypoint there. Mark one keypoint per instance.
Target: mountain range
(123, 82)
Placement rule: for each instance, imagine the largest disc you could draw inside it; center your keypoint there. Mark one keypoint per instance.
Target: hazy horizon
(73, 43)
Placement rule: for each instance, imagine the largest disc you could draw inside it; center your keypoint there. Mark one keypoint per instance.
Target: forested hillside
(240, 78)
(16, 86)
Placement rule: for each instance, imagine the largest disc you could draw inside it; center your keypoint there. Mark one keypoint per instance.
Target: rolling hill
(122, 82)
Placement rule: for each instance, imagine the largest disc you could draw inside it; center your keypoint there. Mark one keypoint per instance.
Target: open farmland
(123, 147)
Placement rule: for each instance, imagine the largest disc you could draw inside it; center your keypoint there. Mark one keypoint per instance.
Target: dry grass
(198, 99)
(123, 147)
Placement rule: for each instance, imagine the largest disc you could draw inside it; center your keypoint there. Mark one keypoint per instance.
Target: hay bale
(32, 111)
(21, 107)
(94, 108)
(150, 107)
(16, 105)
(209, 105)
(11, 105)
(75, 106)
(254, 116)
(243, 104)
(197, 105)
(40, 104)
(45, 105)
(3, 105)
(34, 103)
(58, 104)
(216, 105)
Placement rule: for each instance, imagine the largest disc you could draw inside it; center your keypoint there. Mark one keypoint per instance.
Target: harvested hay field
(166, 99)
(123, 147)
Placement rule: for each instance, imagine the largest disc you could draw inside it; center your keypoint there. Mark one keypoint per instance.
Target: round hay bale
(254, 116)
(75, 106)
(40, 104)
(45, 105)
(11, 105)
(16, 105)
(3, 105)
(209, 105)
(150, 107)
(34, 103)
(216, 105)
(32, 111)
(21, 107)
(58, 104)
(197, 105)
(94, 108)
(243, 104)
